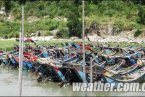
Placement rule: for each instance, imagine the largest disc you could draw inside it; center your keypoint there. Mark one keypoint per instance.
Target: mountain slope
(101, 16)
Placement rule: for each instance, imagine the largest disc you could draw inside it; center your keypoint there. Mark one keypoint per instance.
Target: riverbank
(8, 44)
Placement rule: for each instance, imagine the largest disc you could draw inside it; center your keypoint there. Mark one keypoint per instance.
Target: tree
(74, 23)
(74, 28)
(77, 2)
(138, 1)
(1, 3)
(141, 15)
(7, 5)
(22, 2)
(96, 1)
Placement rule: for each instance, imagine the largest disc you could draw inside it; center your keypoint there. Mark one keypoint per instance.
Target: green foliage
(137, 33)
(48, 33)
(74, 24)
(62, 33)
(22, 2)
(9, 28)
(141, 15)
(7, 4)
(124, 24)
(46, 12)
(125, 14)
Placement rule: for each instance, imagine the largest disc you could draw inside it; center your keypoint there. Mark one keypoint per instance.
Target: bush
(63, 33)
(119, 24)
(6, 37)
(137, 33)
(48, 33)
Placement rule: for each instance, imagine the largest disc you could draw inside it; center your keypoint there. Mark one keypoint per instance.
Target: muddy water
(9, 87)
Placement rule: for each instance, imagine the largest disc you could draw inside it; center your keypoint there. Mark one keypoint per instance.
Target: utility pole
(21, 44)
(83, 36)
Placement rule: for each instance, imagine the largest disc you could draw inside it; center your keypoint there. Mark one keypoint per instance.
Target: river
(9, 87)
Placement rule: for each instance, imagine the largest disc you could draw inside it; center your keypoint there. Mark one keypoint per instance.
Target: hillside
(64, 17)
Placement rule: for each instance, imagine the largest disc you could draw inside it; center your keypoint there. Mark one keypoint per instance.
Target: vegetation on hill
(66, 16)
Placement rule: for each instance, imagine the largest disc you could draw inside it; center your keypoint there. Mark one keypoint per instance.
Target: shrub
(48, 33)
(62, 33)
(6, 37)
(137, 33)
